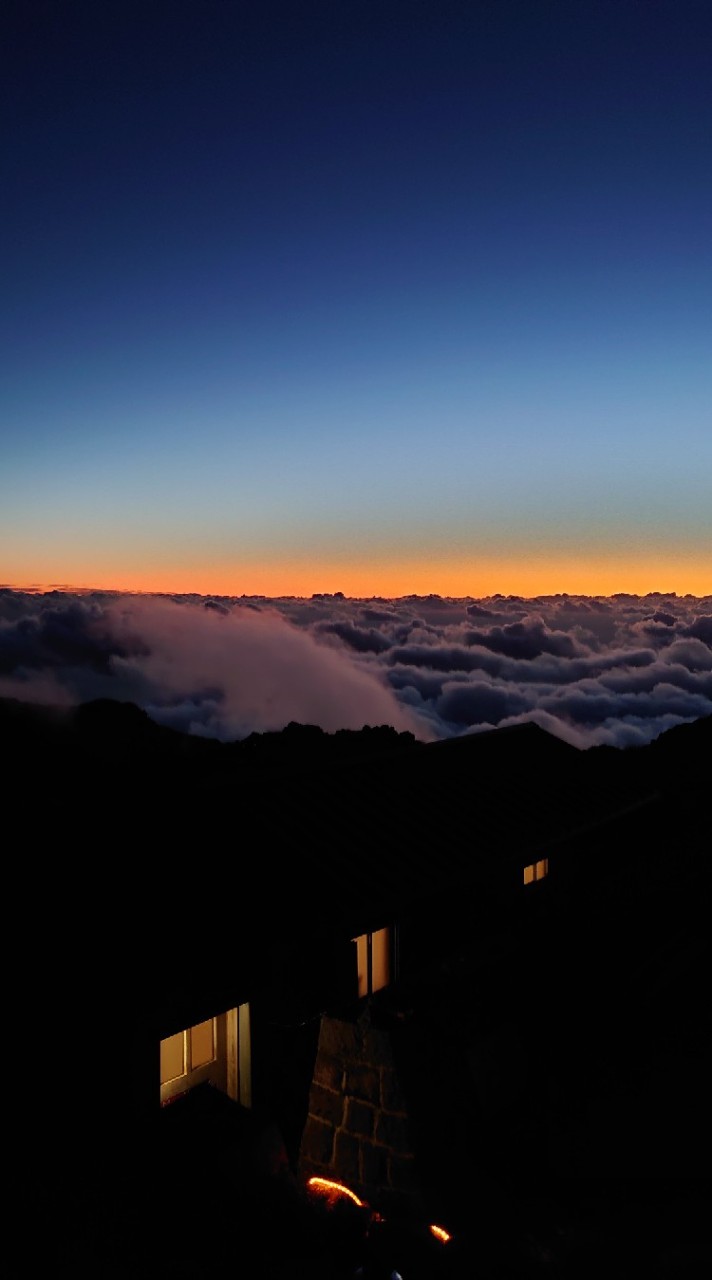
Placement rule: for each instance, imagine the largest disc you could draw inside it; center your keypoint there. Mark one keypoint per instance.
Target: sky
(381, 298)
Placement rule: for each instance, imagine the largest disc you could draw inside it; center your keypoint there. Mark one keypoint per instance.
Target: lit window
(374, 961)
(536, 871)
(188, 1050)
(217, 1051)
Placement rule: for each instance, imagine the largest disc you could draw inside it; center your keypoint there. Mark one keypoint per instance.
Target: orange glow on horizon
(569, 575)
(541, 572)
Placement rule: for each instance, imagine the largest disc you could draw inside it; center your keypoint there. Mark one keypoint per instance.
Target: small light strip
(440, 1233)
(333, 1189)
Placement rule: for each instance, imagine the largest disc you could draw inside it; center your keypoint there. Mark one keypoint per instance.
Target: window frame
(534, 872)
(365, 975)
(229, 1070)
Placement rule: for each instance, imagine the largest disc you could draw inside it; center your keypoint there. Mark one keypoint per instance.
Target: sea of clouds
(617, 670)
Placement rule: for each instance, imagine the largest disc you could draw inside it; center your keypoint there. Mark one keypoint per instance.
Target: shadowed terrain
(586, 1146)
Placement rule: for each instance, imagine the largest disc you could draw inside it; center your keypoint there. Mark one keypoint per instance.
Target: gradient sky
(374, 297)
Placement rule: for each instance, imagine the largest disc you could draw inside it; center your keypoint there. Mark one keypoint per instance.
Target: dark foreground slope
(588, 1147)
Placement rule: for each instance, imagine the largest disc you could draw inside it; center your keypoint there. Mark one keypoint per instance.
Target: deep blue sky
(373, 296)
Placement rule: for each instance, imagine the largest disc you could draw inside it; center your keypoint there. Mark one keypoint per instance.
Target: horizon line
(70, 589)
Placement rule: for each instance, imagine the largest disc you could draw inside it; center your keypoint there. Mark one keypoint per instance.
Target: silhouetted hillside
(110, 726)
(563, 1033)
(513, 775)
(122, 729)
(677, 756)
(373, 799)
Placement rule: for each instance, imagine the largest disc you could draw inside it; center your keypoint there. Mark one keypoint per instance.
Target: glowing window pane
(528, 875)
(202, 1045)
(380, 960)
(362, 963)
(172, 1057)
(542, 868)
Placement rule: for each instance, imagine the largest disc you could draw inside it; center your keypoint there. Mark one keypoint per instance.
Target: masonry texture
(358, 1130)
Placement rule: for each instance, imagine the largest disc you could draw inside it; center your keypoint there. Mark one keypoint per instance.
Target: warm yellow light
(537, 871)
(332, 1190)
(378, 946)
(440, 1233)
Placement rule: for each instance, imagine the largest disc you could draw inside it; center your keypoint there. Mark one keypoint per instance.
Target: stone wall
(358, 1131)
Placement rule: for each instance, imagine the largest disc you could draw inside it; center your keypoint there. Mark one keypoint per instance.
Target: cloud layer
(616, 670)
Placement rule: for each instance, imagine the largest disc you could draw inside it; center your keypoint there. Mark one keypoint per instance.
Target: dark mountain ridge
(510, 785)
(110, 726)
(372, 799)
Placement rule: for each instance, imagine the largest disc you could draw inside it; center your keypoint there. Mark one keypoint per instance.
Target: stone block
(317, 1142)
(363, 1082)
(360, 1118)
(393, 1131)
(347, 1165)
(378, 1047)
(339, 1040)
(327, 1105)
(329, 1071)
